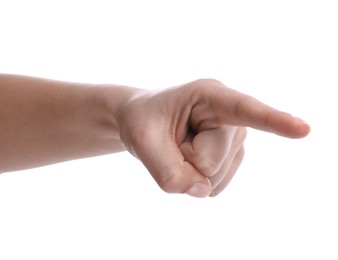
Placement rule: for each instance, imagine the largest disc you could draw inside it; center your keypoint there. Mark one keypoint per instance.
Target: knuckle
(208, 166)
(208, 82)
(172, 184)
(171, 179)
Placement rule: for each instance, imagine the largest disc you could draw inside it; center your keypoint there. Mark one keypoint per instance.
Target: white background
(282, 204)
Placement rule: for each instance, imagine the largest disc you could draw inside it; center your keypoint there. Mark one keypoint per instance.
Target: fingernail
(302, 121)
(199, 190)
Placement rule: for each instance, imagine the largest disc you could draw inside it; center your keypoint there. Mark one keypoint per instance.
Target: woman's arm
(190, 137)
(44, 121)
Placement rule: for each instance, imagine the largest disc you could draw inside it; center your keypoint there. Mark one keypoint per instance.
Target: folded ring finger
(227, 177)
(236, 145)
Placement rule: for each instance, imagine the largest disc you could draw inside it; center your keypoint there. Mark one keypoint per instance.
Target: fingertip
(302, 128)
(286, 125)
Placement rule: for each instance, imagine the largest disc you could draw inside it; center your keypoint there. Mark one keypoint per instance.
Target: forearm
(44, 122)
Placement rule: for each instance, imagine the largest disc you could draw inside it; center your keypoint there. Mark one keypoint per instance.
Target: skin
(190, 137)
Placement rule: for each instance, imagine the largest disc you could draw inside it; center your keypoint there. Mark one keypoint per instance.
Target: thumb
(165, 162)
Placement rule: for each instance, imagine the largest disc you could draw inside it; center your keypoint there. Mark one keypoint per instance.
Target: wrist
(114, 100)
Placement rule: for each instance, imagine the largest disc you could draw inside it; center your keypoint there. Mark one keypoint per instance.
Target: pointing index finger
(235, 108)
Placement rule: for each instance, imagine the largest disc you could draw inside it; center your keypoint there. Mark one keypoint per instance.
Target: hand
(190, 137)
